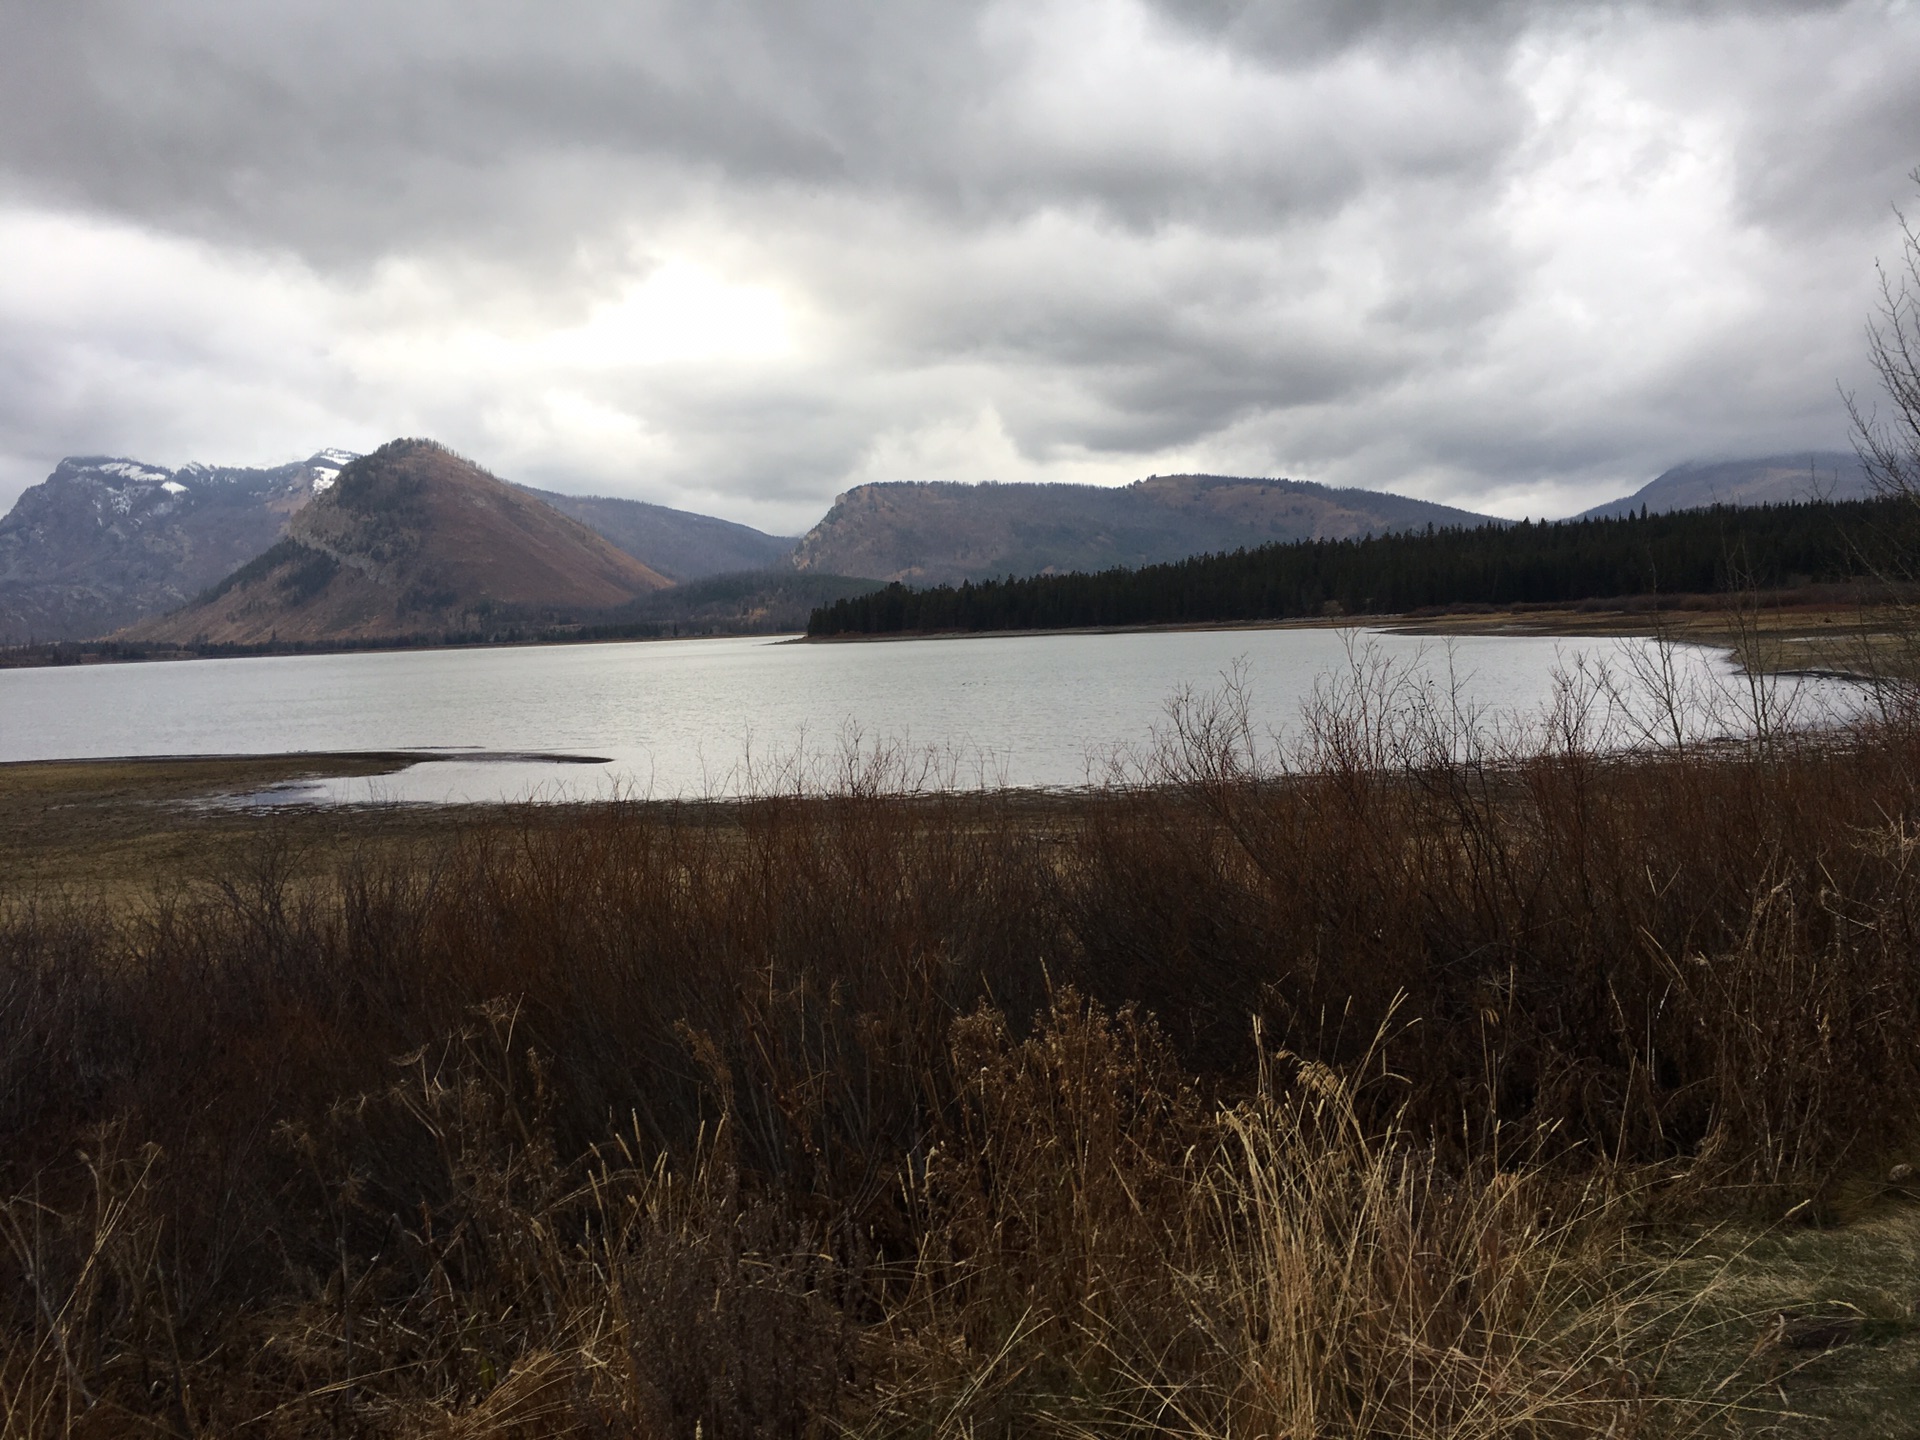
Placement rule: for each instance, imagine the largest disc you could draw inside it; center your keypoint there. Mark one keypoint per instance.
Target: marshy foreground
(1439, 1091)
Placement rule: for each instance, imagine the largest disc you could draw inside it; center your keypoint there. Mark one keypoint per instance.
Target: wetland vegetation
(1411, 1083)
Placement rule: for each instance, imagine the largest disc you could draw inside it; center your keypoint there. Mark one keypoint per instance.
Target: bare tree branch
(1890, 448)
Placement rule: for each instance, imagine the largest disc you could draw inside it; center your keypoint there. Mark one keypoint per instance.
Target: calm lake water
(714, 717)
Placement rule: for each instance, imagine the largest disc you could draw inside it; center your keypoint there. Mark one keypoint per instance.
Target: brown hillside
(412, 540)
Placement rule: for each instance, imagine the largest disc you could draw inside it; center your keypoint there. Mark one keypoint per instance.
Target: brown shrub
(946, 1113)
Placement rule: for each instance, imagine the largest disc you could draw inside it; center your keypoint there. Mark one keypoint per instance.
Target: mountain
(1768, 480)
(678, 543)
(412, 540)
(934, 533)
(104, 541)
(1684, 552)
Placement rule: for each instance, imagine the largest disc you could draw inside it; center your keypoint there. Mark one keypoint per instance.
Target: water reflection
(723, 717)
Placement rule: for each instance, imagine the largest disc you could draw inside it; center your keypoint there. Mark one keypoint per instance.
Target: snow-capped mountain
(413, 541)
(105, 540)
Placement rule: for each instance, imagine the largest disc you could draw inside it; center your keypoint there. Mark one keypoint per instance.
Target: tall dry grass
(1232, 1099)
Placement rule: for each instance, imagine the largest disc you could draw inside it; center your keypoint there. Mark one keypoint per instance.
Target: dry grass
(1823, 629)
(1223, 1102)
(117, 829)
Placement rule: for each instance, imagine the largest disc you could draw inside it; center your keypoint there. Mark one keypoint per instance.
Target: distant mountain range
(1769, 480)
(937, 533)
(412, 540)
(679, 544)
(107, 543)
(103, 542)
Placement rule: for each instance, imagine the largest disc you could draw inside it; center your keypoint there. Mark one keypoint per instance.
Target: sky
(738, 256)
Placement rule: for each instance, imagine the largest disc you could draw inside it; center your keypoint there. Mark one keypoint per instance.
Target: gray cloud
(739, 255)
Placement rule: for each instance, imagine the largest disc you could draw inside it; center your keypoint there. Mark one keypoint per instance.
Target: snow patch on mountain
(133, 470)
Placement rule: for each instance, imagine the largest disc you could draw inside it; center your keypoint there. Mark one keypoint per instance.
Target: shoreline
(68, 654)
(1848, 642)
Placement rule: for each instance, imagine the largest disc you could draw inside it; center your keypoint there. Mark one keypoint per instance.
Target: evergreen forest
(1719, 550)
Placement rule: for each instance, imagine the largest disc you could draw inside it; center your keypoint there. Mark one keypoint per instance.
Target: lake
(717, 717)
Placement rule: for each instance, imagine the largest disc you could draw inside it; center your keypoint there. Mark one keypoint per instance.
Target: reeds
(1231, 1099)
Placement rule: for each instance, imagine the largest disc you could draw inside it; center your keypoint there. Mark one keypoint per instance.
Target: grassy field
(1781, 633)
(1821, 630)
(130, 829)
(1544, 1093)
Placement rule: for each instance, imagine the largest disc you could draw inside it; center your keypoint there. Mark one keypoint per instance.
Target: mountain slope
(932, 533)
(1766, 480)
(106, 541)
(412, 540)
(103, 541)
(678, 543)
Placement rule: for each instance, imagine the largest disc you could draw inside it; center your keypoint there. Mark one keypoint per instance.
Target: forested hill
(1696, 551)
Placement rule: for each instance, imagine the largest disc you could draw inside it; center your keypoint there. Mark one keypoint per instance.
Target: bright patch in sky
(679, 313)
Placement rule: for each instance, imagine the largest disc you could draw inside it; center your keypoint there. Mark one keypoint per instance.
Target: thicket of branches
(1889, 443)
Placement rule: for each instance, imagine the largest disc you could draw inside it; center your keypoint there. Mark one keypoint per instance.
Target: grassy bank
(1538, 1094)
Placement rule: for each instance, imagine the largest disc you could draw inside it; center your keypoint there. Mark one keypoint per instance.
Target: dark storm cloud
(353, 127)
(347, 128)
(1300, 29)
(1508, 253)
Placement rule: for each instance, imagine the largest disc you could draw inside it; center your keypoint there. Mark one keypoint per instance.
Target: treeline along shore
(1713, 551)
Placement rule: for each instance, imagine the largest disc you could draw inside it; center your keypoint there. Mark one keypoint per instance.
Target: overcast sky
(738, 255)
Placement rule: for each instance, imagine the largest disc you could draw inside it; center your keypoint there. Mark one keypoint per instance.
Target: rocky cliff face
(936, 533)
(410, 541)
(104, 541)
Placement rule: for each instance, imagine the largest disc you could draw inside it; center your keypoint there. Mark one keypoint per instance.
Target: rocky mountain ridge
(104, 541)
(931, 533)
(412, 540)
